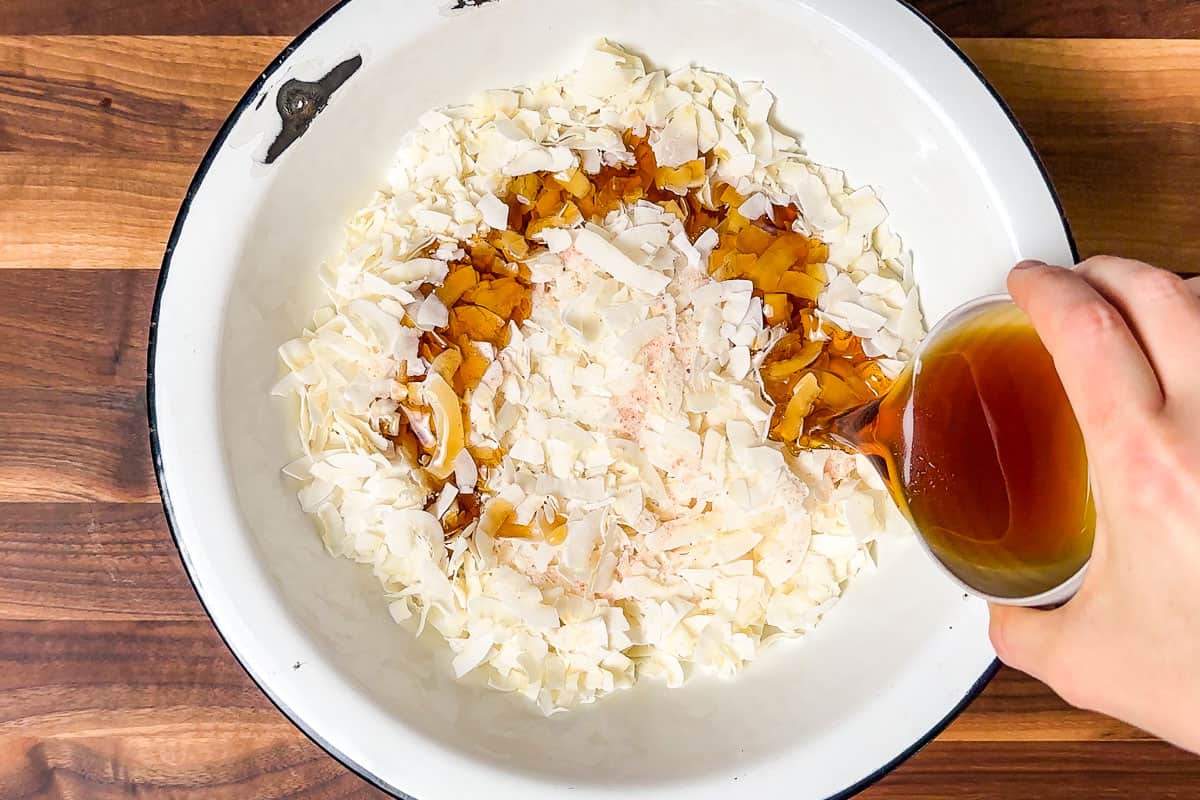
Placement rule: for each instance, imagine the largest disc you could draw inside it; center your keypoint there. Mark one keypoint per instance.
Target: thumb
(1025, 638)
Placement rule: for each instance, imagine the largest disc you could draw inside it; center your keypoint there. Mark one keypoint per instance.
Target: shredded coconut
(627, 410)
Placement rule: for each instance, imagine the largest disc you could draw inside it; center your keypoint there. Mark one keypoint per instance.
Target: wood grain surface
(113, 683)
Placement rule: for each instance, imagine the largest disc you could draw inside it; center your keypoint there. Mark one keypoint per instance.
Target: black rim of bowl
(246, 102)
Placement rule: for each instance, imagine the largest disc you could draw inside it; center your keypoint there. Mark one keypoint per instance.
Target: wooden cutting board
(113, 683)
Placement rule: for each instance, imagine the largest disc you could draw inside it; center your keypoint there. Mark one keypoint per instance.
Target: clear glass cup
(981, 451)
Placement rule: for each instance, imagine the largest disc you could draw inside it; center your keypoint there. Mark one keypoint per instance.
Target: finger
(1040, 643)
(1104, 372)
(1163, 312)
(1193, 285)
(1027, 639)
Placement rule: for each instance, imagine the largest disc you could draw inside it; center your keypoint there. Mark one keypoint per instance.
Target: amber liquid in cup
(980, 448)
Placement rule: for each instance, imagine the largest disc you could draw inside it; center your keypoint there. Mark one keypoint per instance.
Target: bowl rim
(246, 102)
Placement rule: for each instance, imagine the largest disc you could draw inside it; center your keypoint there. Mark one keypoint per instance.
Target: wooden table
(113, 682)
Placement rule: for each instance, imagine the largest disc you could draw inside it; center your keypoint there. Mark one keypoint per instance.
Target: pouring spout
(851, 429)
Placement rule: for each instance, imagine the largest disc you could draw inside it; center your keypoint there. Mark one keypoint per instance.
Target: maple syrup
(979, 447)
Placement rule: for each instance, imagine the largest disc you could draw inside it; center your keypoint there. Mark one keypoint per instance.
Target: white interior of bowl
(871, 89)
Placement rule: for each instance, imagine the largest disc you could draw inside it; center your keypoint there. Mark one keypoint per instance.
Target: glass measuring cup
(979, 447)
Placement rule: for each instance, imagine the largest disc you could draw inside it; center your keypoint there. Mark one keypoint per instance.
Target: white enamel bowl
(873, 89)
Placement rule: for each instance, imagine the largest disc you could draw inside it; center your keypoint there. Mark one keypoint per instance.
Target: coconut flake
(494, 212)
(611, 260)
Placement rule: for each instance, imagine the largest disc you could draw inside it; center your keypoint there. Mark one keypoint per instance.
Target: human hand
(1125, 338)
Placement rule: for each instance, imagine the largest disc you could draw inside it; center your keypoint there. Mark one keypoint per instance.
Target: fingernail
(1029, 263)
